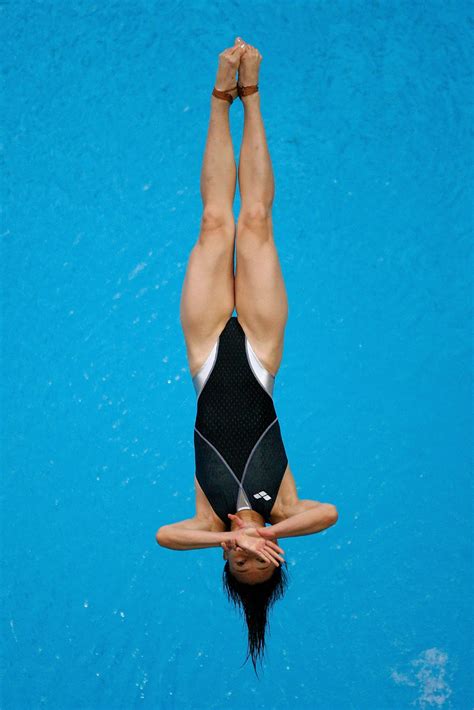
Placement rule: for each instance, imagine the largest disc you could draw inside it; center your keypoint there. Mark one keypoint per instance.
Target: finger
(274, 546)
(275, 555)
(265, 552)
(261, 555)
(279, 558)
(269, 558)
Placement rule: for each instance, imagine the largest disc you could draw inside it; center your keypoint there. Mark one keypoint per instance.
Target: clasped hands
(257, 541)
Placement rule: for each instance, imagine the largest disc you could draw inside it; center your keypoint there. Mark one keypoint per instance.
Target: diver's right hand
(246, 537)
(265, 550)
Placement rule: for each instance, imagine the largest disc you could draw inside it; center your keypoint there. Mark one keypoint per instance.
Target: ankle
(219, 103)
(252, 106)
(251, 99)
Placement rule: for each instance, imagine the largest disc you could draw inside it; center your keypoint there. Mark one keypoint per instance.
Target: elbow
(160, 536)
(332, 514)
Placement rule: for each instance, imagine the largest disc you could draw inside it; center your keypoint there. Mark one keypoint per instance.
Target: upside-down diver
(242, 476)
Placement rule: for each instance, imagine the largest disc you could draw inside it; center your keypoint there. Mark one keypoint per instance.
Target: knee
(217, 219)
(255, 215)
(254, 226)
(217, 229)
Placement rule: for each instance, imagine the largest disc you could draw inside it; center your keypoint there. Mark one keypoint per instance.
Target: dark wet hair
(254, 602)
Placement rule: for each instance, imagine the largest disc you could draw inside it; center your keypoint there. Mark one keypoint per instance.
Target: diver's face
(247, 568)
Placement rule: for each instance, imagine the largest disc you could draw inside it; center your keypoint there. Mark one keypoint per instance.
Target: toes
(233, 54)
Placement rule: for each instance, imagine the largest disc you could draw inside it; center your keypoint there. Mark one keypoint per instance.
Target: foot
(229, 61)
(249, 66)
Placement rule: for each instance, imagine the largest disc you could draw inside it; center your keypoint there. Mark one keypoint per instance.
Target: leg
(260, 293)
(207, 298)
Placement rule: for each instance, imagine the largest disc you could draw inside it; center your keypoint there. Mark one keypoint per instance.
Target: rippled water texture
(367, 111)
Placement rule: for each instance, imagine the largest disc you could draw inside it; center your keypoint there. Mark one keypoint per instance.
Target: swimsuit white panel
(266, 379)
(202, 375)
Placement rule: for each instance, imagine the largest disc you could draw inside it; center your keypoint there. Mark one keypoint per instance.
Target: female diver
(242, 477)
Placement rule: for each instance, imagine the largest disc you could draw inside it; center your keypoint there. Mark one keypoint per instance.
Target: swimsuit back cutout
(239, 453)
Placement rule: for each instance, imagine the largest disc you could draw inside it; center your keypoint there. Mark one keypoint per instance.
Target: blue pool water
(367, 111)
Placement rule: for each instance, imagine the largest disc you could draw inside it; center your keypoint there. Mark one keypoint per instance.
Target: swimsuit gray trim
(242, 497)
(255, 446)
(219, 455)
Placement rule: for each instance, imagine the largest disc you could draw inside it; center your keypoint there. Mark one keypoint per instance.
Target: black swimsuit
(239, 452)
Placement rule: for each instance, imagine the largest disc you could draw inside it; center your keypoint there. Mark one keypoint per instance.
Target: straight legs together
(257, 290)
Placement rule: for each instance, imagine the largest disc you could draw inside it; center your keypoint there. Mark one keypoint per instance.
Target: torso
(237, 435)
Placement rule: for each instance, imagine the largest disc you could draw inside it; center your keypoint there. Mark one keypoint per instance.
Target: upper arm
(204, 519)
(291, 504)
(204, 509)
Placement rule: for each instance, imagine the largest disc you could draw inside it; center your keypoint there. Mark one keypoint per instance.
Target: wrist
(268, 532)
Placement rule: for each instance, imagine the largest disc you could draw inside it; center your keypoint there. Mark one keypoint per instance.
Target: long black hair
(255, 601)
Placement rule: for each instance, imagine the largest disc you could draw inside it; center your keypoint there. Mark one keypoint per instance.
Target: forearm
(186, 539)
(307, 522)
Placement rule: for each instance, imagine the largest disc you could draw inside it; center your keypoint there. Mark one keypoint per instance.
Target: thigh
(207, 297)
(260, 294)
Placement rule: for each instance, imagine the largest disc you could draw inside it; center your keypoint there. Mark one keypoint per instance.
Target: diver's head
(247, 568)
